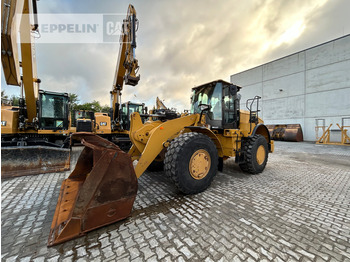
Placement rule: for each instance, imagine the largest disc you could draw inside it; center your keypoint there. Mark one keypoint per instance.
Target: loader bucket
(101, 190)
(290, 132)
(33, 160)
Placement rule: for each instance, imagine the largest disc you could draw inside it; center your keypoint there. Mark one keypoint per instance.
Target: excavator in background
(79, 119)
(32, 134)
(103, 186)
(126, 69)
(115, 125)
(161, 112)
(100, 123)
(127, 109)
(160, 104)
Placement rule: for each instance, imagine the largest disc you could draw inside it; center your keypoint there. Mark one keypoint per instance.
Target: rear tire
(191, 161)
(256, 154)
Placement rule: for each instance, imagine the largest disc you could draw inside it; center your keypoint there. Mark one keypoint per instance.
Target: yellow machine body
(191, 148)
(103, 123)
(151, 138)
(9, 120)
(29, 129)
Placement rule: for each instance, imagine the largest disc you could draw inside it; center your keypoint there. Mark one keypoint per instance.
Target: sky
(185, 43)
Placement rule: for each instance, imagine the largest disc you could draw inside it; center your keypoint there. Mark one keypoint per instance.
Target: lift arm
(127, 64)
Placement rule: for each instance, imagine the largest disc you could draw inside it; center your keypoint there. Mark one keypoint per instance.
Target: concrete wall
(302, 87)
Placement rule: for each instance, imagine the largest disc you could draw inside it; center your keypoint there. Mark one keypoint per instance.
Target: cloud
(182, 44)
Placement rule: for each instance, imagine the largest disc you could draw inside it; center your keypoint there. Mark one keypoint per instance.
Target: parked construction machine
(114, 125)
(103, 186)
(126, 69)
(100, 123)
(33, 132)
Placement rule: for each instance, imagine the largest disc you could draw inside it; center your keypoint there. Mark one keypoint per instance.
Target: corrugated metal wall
(302, 87)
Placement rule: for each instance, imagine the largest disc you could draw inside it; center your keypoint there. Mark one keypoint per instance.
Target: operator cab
(53, 110)
(222, 99)
(127, 109)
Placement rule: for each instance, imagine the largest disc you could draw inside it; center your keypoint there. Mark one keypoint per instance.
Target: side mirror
(233, 90)
(204, 107)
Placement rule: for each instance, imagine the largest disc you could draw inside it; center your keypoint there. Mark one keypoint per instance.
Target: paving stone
(296, 210)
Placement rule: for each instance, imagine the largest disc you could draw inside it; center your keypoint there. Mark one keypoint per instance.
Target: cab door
(230, 107)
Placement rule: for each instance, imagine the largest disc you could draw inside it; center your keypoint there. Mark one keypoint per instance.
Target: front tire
(256, 154)
(191, 161)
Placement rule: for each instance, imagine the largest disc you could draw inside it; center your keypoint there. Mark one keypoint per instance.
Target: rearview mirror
(204, 107)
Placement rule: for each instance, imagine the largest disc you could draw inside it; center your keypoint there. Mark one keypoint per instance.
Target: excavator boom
(127, 64)
(10, 52)
(29, 132)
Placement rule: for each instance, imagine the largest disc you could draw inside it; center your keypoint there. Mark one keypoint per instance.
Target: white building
(308, 88)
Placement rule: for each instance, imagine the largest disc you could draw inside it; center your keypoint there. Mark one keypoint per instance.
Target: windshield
(53, 106)
(53, 111)
(124, 113)
(135, 108)
(208, 95)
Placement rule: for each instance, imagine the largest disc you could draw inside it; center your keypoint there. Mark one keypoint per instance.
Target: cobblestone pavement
(298, 209)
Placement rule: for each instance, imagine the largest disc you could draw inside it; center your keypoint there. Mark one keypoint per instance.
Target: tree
(15, 100)
(3, 95)
(4, 98)
(93, 106)
(106, 109)
(74, 101)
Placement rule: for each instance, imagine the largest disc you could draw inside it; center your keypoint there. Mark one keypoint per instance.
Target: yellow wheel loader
(103, 186)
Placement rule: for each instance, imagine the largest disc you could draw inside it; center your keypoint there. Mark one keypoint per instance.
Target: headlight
(103, 123)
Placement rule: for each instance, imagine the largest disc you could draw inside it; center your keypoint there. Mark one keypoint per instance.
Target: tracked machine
(115, 125)
(32, 134)
(103, 186)
(101, 124)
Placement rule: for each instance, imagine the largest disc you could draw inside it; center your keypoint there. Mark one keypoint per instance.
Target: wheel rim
(200, 164)
(260, 154)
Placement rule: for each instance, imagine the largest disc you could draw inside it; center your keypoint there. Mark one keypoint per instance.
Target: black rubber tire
(156, 166)
(177, 159)
(221, 164)
(250, 147)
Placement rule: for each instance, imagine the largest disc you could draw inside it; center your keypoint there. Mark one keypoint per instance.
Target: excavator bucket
(290, 132)
(101, 190)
